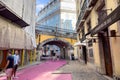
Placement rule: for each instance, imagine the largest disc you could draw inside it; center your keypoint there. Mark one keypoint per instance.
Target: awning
(79, 44)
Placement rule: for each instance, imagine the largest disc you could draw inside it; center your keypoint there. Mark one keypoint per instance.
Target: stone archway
(63, 44)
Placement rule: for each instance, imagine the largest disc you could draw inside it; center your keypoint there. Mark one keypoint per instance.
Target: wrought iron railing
(56, 31)
(83, 9)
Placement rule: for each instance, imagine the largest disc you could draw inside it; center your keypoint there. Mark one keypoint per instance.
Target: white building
(58, 13)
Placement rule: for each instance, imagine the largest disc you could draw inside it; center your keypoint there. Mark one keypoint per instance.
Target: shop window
(90, 44)
(1, 56)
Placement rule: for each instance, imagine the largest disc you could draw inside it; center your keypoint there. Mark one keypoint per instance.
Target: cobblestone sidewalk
(80, 71)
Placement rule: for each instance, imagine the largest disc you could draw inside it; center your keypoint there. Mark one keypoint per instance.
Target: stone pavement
(80, 71)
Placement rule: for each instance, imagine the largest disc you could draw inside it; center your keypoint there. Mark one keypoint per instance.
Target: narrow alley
(58, 70)
(59, 39)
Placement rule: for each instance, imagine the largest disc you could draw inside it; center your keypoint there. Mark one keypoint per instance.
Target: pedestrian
(53, 55)
(16, 63)
(70, 53)
(58, 54)
(9, 66)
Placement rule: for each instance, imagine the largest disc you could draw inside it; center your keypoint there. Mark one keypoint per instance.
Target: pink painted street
(43, 71)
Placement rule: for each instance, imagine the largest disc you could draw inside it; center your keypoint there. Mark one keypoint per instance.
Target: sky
(40, 4)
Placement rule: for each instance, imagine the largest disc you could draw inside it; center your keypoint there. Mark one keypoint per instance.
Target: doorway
(84, 54)
(105, 46)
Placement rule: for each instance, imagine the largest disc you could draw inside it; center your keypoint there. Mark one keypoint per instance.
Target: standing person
(16, 63)
(70, 53)
(9, 66)
(53, 55)
(58, 54)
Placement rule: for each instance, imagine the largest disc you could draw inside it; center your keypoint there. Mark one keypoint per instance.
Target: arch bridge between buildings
(63, 43)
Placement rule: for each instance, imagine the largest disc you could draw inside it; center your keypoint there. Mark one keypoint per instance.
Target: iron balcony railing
(56, 31)
(82, 11)
(86, 7)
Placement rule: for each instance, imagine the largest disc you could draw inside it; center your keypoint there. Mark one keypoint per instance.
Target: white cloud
(39, 7)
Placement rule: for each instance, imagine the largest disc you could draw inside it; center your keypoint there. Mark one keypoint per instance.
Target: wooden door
(107, 53)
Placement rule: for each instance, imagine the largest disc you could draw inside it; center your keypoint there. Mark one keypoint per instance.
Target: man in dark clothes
(9, 66)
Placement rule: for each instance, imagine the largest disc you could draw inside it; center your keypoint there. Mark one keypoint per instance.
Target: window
(83, 32)
(91, 52)
(90, 44)
(102, 14)
(89, 25)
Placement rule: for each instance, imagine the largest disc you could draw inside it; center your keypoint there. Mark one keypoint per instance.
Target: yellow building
(98, 27)
(63, 43)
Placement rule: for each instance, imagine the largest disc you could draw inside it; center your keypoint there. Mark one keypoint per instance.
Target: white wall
(69, 5)
(24, 9)
(68, 11)
(31, 29)
(21, 8)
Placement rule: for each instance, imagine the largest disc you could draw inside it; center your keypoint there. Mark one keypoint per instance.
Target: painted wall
(46, 37)
(114, 41)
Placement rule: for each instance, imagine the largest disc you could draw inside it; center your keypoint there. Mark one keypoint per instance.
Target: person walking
(58, 54)
(16, 63)
(9, 66)
(53, 56)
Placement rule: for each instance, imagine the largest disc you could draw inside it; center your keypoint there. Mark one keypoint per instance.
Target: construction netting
(13, 37)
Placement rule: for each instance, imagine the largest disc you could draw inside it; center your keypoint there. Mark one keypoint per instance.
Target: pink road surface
(42, 71)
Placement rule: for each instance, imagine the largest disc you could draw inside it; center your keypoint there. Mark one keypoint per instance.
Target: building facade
(59, 18)
(17, 29)
(98, 27)
(58, 13)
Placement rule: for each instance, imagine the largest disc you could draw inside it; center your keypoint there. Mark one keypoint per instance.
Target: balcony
(85, 11)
